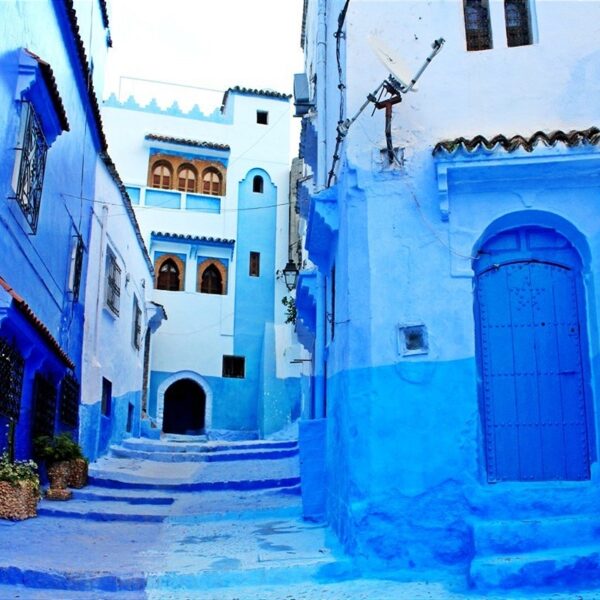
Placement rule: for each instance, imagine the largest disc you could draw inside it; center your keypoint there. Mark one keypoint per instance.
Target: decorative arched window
(187, 179)
(212, 277)
(169, 273)
(162, 175)
(258, 184)
(212, 182)
(212, 282)
(518, 30)
(477, 25)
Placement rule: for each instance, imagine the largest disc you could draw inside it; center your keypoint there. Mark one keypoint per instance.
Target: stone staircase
(552, 541)
(170, 515)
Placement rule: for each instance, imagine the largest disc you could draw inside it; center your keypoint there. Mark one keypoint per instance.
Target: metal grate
(477, 25)
(518, 31)
(69, 401)
(44, 407)
(11, 380)
(113, 283)
(32, 162)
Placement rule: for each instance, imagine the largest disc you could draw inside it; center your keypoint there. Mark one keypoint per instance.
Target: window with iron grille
(137, 324)
(44, 407)
(69, 401)
(234, 366)
(11, 380)
(518, 26)
(76, 267)
(29, 166)
(477, 25)
(113, 282)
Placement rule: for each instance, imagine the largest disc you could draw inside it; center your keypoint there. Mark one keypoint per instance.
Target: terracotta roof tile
(186, 142)
(253, 92)
(37, 323)
(575, 137)
(50, 80)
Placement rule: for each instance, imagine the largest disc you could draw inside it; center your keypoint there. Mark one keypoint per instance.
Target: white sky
(213, 44)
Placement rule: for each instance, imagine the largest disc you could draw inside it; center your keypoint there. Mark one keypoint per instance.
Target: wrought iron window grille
(69, 401)
(477, 25)
(518, 31)
(44, 411)
(31, 160)
(113, 283)
(137, 324)
(11, 380)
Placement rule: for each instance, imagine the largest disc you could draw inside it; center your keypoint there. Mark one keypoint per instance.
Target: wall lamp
(290, 275)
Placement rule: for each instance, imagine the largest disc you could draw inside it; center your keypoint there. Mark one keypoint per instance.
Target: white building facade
(210, 193)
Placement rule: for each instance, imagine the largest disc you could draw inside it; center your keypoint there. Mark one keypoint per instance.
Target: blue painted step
(195, 486)
(556, 568)
(529, 535)
(204, 456)
(145, 445)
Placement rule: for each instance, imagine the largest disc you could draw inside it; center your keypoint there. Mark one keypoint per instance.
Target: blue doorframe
(533, 357)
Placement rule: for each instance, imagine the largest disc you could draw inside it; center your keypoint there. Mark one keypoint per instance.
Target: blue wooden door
(530, 356)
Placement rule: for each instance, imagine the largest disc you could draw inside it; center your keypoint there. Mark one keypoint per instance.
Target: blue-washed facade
(449, 296)
(211, 194)
(53, 158)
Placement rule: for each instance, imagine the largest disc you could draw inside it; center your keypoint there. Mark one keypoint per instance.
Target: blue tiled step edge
(100, 495)
(204, 456)
(71, 580)
(259, 484)
(557, 568)
(166, 446)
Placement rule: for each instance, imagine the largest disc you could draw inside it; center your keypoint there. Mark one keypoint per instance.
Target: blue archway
(532, 356)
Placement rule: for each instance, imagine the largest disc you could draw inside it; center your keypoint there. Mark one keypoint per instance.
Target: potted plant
(65, 464)
(19, 488)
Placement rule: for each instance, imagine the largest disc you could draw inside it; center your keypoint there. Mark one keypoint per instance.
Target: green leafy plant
(53, 449)
(17, 471)
(290, 309)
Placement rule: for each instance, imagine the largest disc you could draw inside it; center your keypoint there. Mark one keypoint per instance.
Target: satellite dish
(400, 73)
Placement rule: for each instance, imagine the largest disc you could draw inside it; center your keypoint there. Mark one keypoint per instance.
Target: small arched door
(530, 314)
(184, 408)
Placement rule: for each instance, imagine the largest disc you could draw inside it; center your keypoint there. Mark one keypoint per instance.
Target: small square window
(234, 366)
(105, 405)
(262, 117)
(254, 270)
(413, 340)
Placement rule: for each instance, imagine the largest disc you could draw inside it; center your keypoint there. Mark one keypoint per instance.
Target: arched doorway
(532, 357)
(184, 408)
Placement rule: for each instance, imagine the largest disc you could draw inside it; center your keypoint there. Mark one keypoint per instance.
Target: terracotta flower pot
(58, 475)
(78, 473)
(18, 501)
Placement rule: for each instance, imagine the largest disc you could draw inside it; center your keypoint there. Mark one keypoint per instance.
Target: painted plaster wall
(202, 328)
(405, 465)
(38, 265)
(109, 350)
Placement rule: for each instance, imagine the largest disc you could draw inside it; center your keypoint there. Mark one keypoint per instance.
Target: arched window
(212, 281)
(212, 182)
(162, 175)
(169, 277)
(258, 184)
(518, 30)
(187, 179)
(477, 25)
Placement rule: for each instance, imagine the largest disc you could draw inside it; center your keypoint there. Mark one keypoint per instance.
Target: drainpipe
(322, 95)
(100, 294)
(320, 333)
